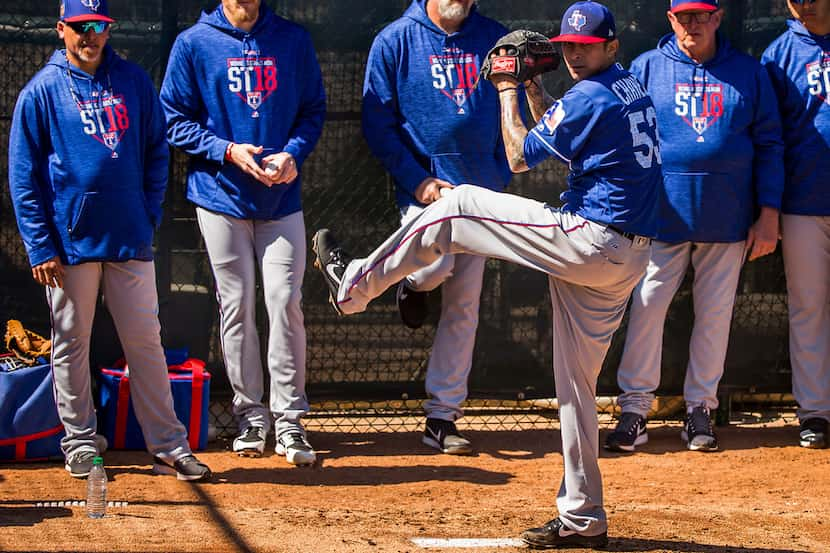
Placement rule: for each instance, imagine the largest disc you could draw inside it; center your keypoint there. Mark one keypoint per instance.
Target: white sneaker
(296, 449)
(251, 443)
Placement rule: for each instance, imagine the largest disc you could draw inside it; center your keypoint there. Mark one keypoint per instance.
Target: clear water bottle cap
(98, 461)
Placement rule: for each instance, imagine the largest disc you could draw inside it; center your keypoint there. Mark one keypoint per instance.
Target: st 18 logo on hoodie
(106, 120)
(454, 73)
(700, 105)
(253, 80)
(818, 78)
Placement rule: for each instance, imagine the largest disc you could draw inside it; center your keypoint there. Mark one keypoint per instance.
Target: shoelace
(296, 440)
(630, 423)
(252, 433)
(700, 423)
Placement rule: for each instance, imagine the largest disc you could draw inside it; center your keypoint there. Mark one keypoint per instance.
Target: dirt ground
(374, 492)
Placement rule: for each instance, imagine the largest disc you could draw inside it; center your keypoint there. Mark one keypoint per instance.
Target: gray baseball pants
(717, 270)
(236, 248)
(452, 350)
(806, 247)
(129, 290)
(592, 273)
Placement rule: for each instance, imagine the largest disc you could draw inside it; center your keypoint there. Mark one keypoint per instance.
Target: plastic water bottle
(96, 490)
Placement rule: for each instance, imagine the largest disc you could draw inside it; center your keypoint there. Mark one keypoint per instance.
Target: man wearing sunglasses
(799, 64)
(722, 167)
(88, 164)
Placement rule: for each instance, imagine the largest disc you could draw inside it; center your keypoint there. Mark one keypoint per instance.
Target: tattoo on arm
(513, 131)
(539, 101)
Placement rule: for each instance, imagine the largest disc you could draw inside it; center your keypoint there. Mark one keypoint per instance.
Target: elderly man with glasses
(799, 64)
(723, 180)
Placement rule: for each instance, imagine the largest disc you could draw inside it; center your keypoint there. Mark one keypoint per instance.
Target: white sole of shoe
(297, 458)
(695, 447)
(166, 470)
(248, 450)
(75, 474)
(812, 445)
(642, 439)
(462, 450)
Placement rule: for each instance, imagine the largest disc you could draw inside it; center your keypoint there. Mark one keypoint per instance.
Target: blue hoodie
(721, 141)
(225, 85)
(422, 114)
(88, 162)
(799, 65)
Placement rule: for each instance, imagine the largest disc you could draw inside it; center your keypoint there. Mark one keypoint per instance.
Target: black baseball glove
(527, 54)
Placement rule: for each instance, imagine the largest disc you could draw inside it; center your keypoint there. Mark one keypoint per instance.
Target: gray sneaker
(445, 437)
(251, 443)
(295, 448)
(187, 468)
(80, 463)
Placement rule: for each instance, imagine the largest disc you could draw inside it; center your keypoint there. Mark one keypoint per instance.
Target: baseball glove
(25, 344)
(527, 54)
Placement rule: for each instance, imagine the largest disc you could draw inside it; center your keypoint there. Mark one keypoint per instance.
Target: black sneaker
(697, 431)
(332, 261)
(80, 463)
(251, 443)
(813, 433)
(185, 468)
(295, 448)
(412, 305)
(629, 433)
(555, 535)
(444, 436)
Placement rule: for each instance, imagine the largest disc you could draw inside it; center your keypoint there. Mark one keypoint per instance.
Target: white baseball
(271, 169)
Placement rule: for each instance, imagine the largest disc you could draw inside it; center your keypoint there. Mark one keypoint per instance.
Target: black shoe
(629, 433)
(697, 431)
(185, 468)
(555, 535)
(80, 463)
(412, 305)
(295, 448)
(813, 433)
(444, 436)
(250, 443)
(332, 261)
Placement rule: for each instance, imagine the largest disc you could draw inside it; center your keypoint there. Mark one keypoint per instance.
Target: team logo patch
(700, 106)
(454, 74)
(554, 116)
(818, 78)
(91, 4)
(106, 119)
(577, 20)
(253, 79)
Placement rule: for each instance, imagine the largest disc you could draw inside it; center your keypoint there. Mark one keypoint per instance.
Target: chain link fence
(368, 371)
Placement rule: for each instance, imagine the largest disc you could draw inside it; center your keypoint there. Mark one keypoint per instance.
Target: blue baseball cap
(689, 5)
(587, 23)
(85, 10)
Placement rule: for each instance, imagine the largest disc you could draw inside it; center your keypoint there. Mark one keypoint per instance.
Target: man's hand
(49, 273)
(280, 168)
(242, 155)
(430, 190)
(763, 235)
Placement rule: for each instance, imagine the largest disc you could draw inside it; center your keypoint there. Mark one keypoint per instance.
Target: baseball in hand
(271, 169)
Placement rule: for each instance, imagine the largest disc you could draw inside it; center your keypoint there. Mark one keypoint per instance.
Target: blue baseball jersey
(605, 129)
(798, 63)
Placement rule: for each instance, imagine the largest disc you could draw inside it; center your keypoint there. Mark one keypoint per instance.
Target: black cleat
(412, 305)
(813, 434)
(629, 433)
(445, 437)
(555, 535)
(185, 468)
(698, 432)
(332, 261)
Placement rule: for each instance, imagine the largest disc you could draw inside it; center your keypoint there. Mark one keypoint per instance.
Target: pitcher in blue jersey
(594, 247)
(88, 167)
(799, 65)
(722, 165)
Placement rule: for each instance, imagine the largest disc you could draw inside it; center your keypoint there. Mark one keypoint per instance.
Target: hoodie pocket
(114, 215)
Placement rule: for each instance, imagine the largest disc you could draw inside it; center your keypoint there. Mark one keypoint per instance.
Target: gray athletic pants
(452, 350)
(592, 273)
(129, 290)
(806, 246)
(236, 248)
(717, 270)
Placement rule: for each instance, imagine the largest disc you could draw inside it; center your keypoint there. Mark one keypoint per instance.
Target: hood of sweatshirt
(217, 20)
(798, 28)
(668, 47)
(81, 83)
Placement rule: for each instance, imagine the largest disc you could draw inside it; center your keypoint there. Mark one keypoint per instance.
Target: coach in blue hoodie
(799, 65)
(432, 128)
(244, 97)
(722, 166)
(87, 174)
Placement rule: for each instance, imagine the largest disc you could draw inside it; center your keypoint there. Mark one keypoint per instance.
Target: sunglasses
(83, 27)
(684, 18)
